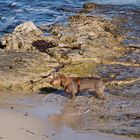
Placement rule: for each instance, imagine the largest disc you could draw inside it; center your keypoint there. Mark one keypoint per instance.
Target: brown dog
(72, 85)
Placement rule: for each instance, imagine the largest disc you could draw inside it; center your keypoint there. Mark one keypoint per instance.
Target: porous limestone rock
(22, 37)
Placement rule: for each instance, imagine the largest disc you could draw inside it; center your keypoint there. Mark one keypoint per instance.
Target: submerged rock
(87, 7)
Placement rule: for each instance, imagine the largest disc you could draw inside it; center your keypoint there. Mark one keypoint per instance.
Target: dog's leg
(74, 95)
(70, 96)
(71, 88)
(100, 96)
(100, 92)
(69, 93)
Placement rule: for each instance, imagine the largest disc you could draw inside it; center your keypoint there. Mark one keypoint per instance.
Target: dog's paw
(102, 97)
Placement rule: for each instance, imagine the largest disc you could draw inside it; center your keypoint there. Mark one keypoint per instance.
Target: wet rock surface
(17, 69)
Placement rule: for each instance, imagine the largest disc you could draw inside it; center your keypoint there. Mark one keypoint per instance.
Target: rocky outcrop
(19, 69)
(22, 37)
(82, 45)
(86, 39)
(87, 7)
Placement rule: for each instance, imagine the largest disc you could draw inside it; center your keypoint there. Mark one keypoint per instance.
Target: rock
(43, 45)
(22, 37)
(131, 116)
(89, 6)
(26, 67)
(27, 27)
(135, 123)
(2, 46)
(85, 38)
(134, 133)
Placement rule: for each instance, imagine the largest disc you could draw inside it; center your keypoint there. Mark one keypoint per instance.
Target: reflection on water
(65, 120)
(71, 126)
(71, 122)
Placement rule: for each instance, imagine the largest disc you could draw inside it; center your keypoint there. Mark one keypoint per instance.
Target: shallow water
(14, 12)
(58, 126)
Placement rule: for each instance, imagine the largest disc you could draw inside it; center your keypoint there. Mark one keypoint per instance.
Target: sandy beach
(15, 126)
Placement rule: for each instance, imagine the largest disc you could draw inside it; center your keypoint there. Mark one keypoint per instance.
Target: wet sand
(28, 117)
(15, 126)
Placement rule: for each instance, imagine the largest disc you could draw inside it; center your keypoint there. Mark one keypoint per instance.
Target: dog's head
(57, 80)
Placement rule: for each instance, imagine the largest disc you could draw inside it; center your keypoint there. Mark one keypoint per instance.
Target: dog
(73, 85)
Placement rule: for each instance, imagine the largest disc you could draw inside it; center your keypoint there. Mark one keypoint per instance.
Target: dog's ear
(61, 75)
(52, 75)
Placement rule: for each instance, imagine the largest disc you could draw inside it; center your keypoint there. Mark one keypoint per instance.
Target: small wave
(46, 11)
(2, 18)
(7, 22)
(14, 4)
(36, 10)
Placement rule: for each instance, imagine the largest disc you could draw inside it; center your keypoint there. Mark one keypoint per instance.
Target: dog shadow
(87, 94)
(51, 90)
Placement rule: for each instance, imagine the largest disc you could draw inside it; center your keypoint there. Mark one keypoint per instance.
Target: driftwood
(124, 82)
(46, 76)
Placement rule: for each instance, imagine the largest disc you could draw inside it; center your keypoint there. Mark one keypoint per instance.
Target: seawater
(15, 12)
